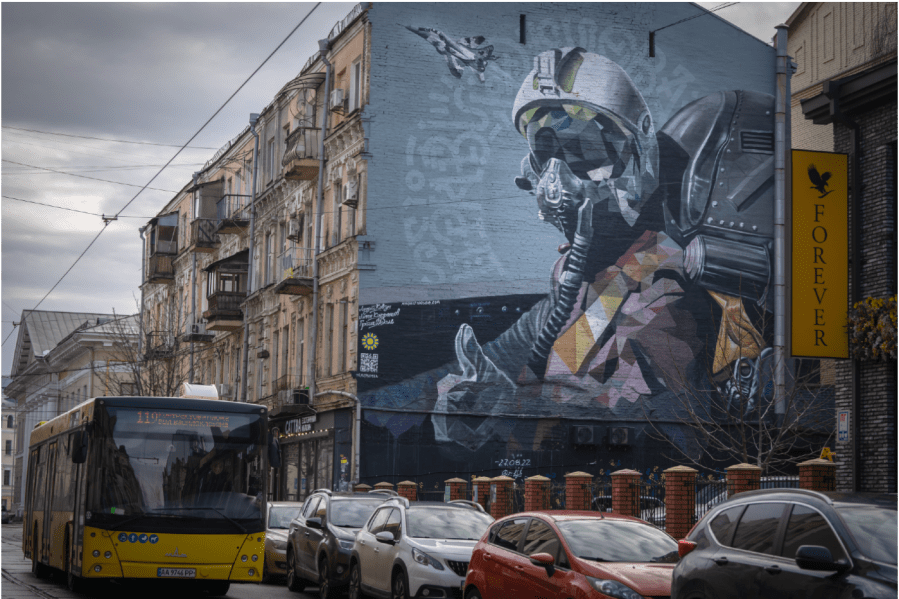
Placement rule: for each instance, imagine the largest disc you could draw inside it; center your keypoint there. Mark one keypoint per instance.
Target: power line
(717, 8)
(121, 141)
(146, 186)
(69, 209)
(102, 169)
(92, 178)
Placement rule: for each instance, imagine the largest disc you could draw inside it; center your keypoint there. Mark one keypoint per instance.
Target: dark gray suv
(788, 543)
(320, 538)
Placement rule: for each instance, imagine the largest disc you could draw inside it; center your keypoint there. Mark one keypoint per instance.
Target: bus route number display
(181, 419)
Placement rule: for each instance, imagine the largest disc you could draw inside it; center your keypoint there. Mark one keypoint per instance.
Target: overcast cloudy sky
(147, 73)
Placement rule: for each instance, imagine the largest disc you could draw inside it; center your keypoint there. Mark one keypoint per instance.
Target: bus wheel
(37, 568)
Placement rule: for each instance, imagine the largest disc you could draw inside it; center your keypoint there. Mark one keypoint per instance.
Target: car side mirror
(274, 452)
(545, 560)
(314, 523)
(385, 537)
(817, 558)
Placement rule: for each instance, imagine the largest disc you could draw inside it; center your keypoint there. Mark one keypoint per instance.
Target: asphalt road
(20, 583)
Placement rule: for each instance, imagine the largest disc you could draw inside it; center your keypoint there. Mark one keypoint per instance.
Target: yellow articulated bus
(150, 488)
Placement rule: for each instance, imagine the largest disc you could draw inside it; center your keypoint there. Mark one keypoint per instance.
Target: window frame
(846, 553)
(355, 85)
(494, 531)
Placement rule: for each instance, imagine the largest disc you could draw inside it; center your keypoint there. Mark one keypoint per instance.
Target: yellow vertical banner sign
(820, 256)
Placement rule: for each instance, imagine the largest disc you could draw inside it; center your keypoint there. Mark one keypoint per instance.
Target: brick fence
(680, 491)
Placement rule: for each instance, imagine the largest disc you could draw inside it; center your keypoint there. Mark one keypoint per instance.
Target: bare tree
(162, 364)
(733, 414)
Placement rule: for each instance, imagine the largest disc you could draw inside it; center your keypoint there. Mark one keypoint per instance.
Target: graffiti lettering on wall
(663, 272)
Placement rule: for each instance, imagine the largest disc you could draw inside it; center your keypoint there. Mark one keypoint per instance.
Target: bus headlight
(97, 568)
(251, 572)
(96, 553)
(254, 558)
(243, 558)
(108, 554)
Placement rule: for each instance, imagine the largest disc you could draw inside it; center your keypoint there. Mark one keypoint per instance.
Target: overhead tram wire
(106, 223)
(121, 141)
(92, 178)
(69, 209)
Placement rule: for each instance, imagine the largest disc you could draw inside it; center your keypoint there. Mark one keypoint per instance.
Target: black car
(321, 537)
(791, 543)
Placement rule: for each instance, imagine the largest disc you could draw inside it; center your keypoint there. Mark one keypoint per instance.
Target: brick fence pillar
(408, 489)
(362, 488)
(480, 490)
(818, 475)
(502, 487)
(457, 488)
(578, 492)
(742, 477)
(626, 492)
(536, 493)
(384, 486)
(680, 500)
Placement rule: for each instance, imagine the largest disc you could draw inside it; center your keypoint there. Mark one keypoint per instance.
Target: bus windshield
(161, 467)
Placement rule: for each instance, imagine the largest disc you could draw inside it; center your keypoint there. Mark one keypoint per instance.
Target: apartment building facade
(8, 440)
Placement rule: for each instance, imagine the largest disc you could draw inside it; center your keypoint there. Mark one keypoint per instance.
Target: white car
(419, 549)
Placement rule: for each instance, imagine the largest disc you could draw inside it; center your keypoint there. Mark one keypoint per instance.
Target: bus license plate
(176, 572)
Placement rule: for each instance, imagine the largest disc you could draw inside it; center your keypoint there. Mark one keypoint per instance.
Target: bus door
(78, 486)
(48, 499)
(34, 470)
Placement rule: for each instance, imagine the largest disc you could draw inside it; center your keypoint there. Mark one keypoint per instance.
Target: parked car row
(766, 544)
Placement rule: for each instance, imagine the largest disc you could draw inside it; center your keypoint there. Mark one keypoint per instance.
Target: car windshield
(352, 513)
(607, 540)
(279, 516)
(873, 529)
(446, 523)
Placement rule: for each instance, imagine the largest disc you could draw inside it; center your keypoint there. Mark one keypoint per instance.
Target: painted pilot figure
(664, 273)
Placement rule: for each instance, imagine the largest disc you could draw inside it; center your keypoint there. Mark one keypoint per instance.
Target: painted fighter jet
(459, 53)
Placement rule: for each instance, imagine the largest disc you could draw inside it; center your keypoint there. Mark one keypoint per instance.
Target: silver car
(280, 514)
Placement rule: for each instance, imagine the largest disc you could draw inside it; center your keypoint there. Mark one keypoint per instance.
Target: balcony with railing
(233, 214)
(226, 289)
(159, 345)
(295, 272)
(203, 236)
(163, 241)
(301, 159)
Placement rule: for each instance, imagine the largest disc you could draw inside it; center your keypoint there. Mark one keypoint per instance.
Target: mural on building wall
(459, 53)
(663, 276)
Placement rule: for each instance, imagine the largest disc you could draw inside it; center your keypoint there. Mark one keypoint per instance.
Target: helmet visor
(593, 145)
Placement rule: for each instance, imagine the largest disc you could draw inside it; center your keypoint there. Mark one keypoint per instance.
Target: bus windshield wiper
(214, 509)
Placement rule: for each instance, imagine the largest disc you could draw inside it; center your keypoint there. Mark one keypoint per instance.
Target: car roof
(828, 497)
(439, 504)
(567, 515)
(285, 504)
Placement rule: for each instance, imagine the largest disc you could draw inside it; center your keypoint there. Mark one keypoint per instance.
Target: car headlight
(279, 545)
(426, 560)
(345, 543)
(613, 588)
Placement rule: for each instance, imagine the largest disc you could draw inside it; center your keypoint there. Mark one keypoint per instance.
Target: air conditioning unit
(224, 390)
(584, 435)
(293, 229)
(337, 99)
(621, 435)
(198, 328)
(351, 195)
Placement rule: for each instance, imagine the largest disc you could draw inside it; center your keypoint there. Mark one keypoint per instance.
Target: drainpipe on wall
(780, 185)
(140, 336)
(831, 89)
(323, 46)
(90, 381)
(254, 118)
(193, 287)
(357, 429)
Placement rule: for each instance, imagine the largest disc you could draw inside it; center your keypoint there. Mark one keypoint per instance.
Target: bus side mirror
(79, 446)
(274, 452)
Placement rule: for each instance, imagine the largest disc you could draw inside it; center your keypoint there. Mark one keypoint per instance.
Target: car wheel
(294, 582)
(355, 588)
(399, 589)
(473, 593)
(325, 589)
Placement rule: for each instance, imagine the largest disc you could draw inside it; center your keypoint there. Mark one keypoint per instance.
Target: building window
(300, 365)
(9, 422)
(275, 338)
(344, 337)
(8, 448)
(271, 160)
(356, 85)
(6, 477)
(338, 191)
(330, 345)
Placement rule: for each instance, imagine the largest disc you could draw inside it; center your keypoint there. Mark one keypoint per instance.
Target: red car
(561, 554)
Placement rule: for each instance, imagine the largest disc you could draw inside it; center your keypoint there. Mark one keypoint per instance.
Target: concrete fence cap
(499, 479)
(481, 479)
(743, 466)
(680, 469)
(625, 472)
(455, 480)
(406, 483)
(578, 475)
(384, 485)
(538, 478)
(362, 486)
(818, 462)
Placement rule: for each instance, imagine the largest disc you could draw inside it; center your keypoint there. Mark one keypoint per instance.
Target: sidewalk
(18, 582)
